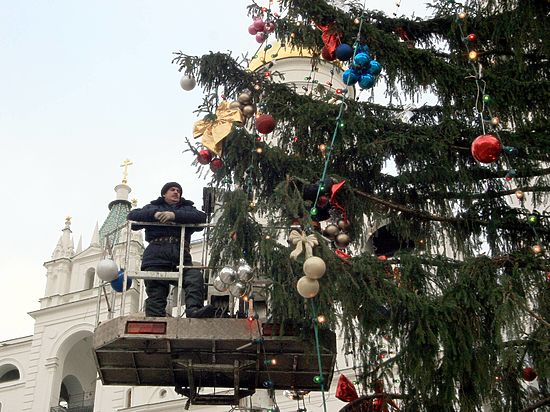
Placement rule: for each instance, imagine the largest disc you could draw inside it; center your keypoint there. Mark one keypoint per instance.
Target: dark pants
(157, 291)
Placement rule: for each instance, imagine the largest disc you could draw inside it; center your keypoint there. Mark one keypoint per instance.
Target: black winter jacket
(166, 254)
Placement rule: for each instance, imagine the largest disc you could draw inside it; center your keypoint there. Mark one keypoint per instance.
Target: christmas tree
(429, 222)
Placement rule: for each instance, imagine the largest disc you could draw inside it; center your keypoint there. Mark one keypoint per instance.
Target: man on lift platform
(163, 252)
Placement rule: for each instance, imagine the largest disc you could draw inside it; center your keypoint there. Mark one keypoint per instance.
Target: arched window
(9, 373)
(89, 278)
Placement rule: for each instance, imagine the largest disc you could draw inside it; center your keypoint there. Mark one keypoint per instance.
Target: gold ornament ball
(307, 288)
(244, 98)
(314, 267)
(537, 248)
(519, 194)
(343, 224)
(249, 110)
(331, 231)
(342, 240)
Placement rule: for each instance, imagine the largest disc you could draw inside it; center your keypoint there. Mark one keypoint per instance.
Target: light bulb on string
(472, 55)
(537, 249)
(321, 319)
(519, 194)
(462, 15)
(495, 120)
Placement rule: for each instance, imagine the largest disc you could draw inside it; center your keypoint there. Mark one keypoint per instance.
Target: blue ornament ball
(366, 81)
(344, 52)
(362, 48)
(375, 68)
(118, 283)
(350, 77)
(361, 59)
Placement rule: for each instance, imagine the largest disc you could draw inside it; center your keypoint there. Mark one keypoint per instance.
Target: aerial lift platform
(230, 355)
(209, 353)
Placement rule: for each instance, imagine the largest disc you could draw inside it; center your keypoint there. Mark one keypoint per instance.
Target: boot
(207, 311)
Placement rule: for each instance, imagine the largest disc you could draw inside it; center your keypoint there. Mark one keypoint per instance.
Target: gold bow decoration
(214, 131)
(304, 243)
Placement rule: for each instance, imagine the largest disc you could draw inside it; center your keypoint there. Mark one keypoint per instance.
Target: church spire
(95, 236)
(118, 210)
(65, 245)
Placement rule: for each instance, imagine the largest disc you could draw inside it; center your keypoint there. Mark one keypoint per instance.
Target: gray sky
(83, 86)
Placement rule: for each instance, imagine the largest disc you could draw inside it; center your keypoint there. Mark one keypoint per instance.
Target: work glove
(164, 217)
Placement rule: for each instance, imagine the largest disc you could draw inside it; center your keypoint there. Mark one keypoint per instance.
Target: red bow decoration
(345, 391)
(331, 39)
(342, 255)
(405, 36)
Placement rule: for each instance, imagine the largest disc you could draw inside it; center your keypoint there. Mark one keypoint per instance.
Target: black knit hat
(168, 186)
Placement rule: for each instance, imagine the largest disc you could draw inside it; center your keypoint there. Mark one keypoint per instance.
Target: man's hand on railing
(164, 217)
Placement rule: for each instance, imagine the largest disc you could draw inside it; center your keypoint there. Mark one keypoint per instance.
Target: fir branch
(489, 194)
(536, 405)
(529, 311)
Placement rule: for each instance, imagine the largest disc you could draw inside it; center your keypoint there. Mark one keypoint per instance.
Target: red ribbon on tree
(345, 391)
(331, 38)
(333, 190)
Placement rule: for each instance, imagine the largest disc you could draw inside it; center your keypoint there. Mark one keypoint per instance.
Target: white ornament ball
(314, 267)
(187, 83)
(107, 270)
(307, 288)
(219, 285)
(227, 275)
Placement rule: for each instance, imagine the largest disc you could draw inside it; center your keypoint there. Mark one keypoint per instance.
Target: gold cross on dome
(125, 165)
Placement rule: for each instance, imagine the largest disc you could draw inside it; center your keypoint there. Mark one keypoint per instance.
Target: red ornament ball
(486, 148)
(265, 123)
(204, 157)
(472, 37)
(327, 55)
(529, 374)
(216, 164)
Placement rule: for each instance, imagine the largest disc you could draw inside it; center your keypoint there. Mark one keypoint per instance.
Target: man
(163, 252)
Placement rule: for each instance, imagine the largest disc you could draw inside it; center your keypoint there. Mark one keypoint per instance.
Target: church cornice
(75, 303)
(57, 260)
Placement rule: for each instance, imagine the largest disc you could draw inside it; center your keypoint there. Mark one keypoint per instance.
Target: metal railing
(137, 274)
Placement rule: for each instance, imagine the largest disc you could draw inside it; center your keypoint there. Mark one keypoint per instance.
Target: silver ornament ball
(227, 275)
(249, 110)
(219, 285)
(244, 273)
(244, 98)
(342, 240)
(331, 231)
(237, 289)
(187, 83)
